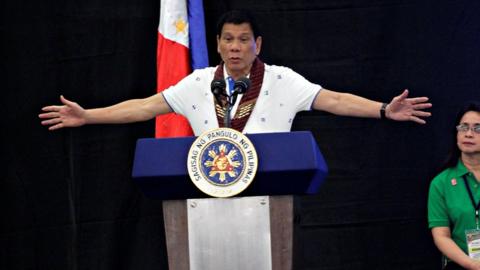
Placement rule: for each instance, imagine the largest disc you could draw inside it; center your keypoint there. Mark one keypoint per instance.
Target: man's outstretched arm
(70, 114)
(401, 108)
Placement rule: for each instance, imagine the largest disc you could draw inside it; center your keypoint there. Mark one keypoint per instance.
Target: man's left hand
(402, 108)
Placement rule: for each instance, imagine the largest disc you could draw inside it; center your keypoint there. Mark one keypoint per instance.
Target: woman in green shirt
(454, 196)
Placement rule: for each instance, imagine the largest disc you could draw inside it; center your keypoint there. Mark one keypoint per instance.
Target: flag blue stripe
(198, 43)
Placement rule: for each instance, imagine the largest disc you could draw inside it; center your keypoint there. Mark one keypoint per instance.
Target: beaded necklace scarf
(248, 101)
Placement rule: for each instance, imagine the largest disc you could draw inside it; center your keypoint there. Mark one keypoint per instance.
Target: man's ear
(218, 44)
(258, 43)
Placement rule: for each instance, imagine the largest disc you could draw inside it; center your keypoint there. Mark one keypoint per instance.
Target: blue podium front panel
(289, 163)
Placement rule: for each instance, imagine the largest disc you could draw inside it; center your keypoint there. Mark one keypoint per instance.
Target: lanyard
(475, 205)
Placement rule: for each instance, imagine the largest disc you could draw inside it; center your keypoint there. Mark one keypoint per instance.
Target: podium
(254, 231)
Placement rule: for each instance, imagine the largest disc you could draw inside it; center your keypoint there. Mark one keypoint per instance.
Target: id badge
(473, 243)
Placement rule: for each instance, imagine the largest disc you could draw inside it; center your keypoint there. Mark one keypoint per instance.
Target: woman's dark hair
(238, 17)
(454, 153)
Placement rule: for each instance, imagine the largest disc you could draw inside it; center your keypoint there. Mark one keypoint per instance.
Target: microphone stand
(227, 122)
(240, 87)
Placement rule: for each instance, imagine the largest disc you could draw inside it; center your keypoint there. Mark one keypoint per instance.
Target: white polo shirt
(283, 94)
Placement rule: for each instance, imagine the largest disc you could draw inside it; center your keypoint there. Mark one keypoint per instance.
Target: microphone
(240, 87)
(218, 87)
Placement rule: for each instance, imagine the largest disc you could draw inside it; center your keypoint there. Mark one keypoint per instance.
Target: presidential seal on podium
(222, 162)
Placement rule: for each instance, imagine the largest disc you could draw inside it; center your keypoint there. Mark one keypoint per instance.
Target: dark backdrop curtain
(67, 200)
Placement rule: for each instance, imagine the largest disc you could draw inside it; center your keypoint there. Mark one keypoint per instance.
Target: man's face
(238, 48)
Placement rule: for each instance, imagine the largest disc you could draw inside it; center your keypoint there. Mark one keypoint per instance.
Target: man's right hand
(70, 114)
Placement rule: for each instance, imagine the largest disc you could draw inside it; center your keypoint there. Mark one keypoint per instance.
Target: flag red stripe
(172, 62)
(172, 65)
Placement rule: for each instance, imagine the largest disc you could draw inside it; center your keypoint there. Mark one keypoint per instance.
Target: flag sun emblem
(222, 162)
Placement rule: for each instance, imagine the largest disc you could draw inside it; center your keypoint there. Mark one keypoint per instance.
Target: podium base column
(236, 233)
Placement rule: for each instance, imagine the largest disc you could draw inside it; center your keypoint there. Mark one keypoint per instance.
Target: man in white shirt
(275, 96)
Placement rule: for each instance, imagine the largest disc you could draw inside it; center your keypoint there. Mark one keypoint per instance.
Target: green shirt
(449, 204)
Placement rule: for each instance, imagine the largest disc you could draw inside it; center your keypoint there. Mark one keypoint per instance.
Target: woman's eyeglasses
(464, 128)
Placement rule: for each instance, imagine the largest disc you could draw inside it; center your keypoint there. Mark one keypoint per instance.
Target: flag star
(279, 77)
(263, 119)
(180, 25)
(281, 104)
(194, 106)
(197, 79)
(206, 122)
(266, 92)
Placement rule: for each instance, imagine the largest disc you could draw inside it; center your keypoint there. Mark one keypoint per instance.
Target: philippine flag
(181, 47)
